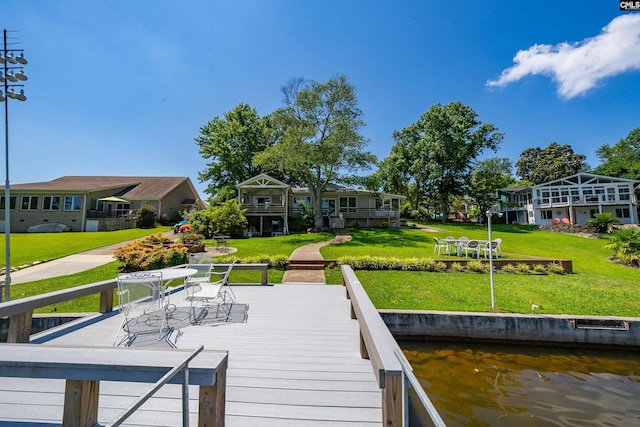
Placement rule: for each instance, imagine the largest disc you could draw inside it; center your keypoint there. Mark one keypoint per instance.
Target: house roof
(130, 187)
(339, 189)
(586, 178)
(262, 181)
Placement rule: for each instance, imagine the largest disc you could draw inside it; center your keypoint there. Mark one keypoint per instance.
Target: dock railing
(393, 372)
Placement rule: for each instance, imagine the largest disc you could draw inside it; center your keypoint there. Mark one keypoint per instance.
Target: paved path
(310, 253)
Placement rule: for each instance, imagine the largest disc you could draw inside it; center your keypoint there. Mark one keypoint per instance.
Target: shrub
(626, 245)
(441, 266)
(384, 224)
(418, 264)
(523, 268)
(555, 268)
(508, 268)
(540, 268)
(602, 222)
(477, 267)
(227, 218)
(354, 224)
(146, 217)
(456, 267)
(147, 254)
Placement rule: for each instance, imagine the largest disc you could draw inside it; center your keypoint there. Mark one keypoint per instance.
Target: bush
(523, 268)
(441, 266)
(146, 217)
(354, 224)
(456, 267)
(509, 268)
(602, 222)
(477, 267)
(227, 219)
(626, 245)
(540, 269)
(554, 268)
(147, 254)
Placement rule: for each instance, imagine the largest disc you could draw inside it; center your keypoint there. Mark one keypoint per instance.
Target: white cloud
(581, 66)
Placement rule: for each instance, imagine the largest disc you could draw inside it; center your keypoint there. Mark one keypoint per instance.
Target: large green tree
(441, 148)
(556, 161)
(230, 143)
(622, 159)
(487, 177)
(319, 136)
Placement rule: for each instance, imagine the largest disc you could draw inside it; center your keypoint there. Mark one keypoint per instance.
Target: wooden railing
(392, 371)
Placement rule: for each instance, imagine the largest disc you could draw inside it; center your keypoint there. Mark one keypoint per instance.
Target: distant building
(572, 200)
(97, 203)
(272, 204)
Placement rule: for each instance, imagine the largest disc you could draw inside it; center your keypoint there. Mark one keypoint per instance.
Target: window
(29, 203)
(546, 214)
(262, 200)
(622, 213)
(12, 202)
(348, 204)
(329, 205)
(51, 203)
(623, 192)
(593, 212)
(611, 194)
(71, 203)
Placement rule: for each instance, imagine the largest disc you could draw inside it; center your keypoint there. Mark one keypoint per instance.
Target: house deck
(295, 361)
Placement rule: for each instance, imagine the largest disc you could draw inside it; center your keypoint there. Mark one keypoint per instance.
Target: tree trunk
(316, 204)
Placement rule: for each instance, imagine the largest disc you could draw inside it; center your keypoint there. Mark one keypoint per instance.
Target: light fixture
(9, 74)
(21, 59)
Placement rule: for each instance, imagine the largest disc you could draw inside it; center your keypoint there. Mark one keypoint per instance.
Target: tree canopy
(622, 159)
(487, 177)
(539, 165)
(439, 150)
(319, 140)
(230, 144)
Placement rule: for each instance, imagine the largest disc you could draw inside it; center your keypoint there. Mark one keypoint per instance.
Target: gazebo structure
(267, 202)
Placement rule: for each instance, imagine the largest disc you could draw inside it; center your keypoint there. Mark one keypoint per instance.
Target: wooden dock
(294, 362)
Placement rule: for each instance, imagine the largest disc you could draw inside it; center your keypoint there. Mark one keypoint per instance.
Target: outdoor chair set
(465, 246)
(151, 320)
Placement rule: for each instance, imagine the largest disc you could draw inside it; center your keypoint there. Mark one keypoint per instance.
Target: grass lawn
(597, 287)
(246, 247)
(29, 247)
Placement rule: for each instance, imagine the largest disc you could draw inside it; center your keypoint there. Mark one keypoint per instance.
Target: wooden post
(392, 401)
(363, 347)
(81, 403)
(106, 301)
(265, 276)
(20, 327)
(211, 408)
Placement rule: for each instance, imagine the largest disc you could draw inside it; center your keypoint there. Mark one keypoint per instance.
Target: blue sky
(122, 87)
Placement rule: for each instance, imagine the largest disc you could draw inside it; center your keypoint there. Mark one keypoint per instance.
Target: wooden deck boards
(295, 362)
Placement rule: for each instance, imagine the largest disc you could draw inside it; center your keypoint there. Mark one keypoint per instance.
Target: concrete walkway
(310, 253)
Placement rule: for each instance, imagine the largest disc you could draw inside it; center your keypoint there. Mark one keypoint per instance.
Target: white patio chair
(472, 246)
(491, 248)
(145, 306)
(202, 276)
(207, 294)
(498, 247)
(451, 243)
(440, 245)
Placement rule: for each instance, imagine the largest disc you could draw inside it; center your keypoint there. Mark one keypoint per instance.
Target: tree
(146, 217)
(553, 162)
(441, 147)
(626, 246)
(319, 136)
(226, 218)
(230, 143)
(621, 160)
(487, 177)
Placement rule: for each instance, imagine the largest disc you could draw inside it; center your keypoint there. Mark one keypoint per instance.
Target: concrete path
(310, 253)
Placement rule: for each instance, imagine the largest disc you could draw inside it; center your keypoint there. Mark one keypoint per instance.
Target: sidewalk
(310, 253)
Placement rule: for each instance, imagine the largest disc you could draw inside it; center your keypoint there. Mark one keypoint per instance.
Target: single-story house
(572, 200)
(97, 203)
(272, 204)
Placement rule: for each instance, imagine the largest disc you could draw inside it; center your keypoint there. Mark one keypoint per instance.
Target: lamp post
(12, 74)
(489, 213)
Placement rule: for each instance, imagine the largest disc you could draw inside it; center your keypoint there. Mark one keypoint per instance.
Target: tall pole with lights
(12, 61)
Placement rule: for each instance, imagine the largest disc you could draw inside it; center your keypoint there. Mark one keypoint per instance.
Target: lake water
(482, 385)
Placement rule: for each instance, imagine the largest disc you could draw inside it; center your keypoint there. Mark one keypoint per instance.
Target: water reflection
(497, 385)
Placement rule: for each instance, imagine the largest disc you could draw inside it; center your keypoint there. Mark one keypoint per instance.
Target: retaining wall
(560, 329)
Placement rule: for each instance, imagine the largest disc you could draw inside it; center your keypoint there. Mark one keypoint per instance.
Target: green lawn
(597, 287)
(29, 247)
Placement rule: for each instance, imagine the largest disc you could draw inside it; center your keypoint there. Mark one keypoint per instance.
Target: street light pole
(493, 299)
(9, 74)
